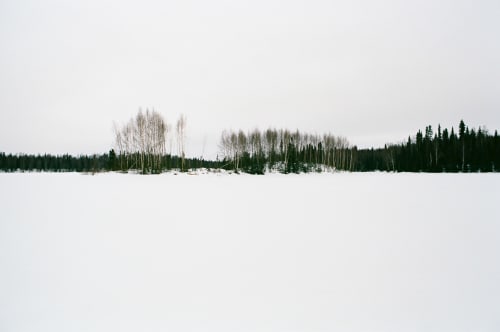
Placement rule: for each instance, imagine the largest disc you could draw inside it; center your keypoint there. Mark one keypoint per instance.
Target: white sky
(373, 71)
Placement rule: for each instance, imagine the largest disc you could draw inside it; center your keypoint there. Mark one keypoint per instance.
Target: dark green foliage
(472, 151)
(113, 161)
(83, 163)
(61, 163)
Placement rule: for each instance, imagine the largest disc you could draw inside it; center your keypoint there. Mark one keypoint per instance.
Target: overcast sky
(373, 71)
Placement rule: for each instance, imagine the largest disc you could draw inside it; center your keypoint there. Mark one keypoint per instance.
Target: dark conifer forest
(258, 152)
(440, 150)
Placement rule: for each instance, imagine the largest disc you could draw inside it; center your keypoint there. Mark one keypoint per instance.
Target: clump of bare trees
(285, 151)
(141, 142)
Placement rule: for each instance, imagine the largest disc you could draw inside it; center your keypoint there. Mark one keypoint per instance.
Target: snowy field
(319, 252)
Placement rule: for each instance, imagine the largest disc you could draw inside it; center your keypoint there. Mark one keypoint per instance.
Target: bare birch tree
(181, 139)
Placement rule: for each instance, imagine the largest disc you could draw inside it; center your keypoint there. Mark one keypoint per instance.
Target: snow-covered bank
(317, 252)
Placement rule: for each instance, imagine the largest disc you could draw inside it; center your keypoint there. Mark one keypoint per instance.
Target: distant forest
(443, 150)
(141, 147)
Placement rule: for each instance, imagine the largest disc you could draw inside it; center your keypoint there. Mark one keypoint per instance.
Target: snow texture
(317, 252)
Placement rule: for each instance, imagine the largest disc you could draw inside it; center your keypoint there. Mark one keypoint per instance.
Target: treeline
(90, 163)
(53, 163)
(443, 150)
(141, 147)
(285, 151)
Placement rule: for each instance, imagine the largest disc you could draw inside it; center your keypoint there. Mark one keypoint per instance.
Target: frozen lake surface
(319, 252)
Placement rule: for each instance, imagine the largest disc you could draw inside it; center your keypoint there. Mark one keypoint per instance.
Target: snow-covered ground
(319, 252)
